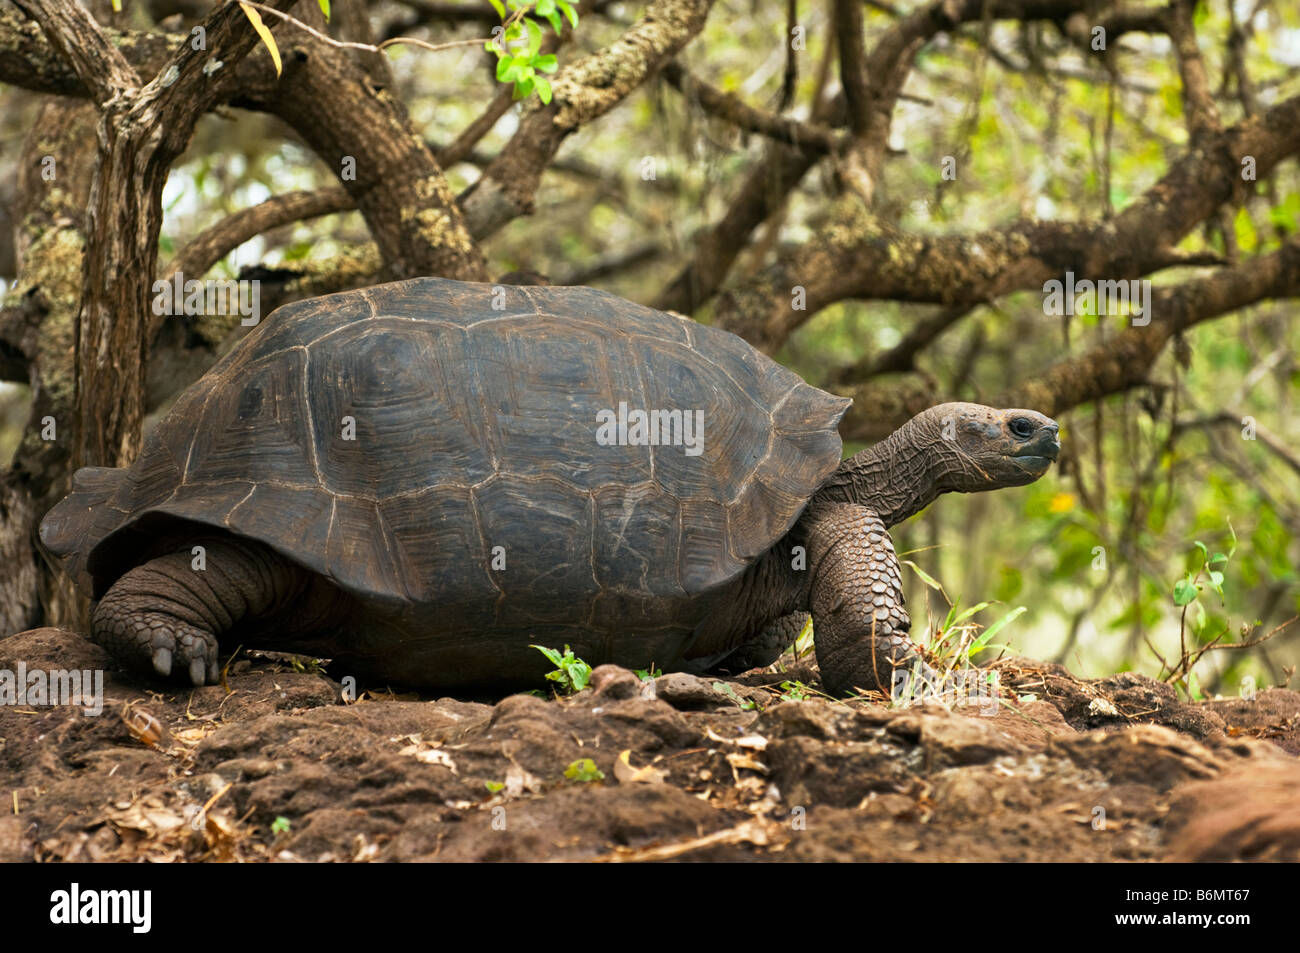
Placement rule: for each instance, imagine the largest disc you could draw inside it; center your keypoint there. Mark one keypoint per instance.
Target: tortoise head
(951, 447)
(975, 448)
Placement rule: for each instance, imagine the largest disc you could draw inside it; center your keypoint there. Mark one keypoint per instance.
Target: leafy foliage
(571, 673)
(518, 43)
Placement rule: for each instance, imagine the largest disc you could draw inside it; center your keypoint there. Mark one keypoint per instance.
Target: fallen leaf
(626, 774)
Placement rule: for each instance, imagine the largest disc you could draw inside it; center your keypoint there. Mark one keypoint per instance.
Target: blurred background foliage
(1039, 131)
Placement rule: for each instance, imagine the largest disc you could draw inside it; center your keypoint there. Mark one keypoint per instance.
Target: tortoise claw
(155, 642)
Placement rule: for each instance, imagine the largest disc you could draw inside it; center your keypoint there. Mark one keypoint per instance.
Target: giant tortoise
(424, 479)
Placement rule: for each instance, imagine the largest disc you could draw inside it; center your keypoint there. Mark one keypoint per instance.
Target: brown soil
(278, 767)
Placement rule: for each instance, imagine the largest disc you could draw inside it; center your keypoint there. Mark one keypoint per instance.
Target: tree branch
(102, 69)
(582, 92)
(1121, 363)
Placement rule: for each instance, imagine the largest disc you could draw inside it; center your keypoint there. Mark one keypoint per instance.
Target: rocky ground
(276, 766)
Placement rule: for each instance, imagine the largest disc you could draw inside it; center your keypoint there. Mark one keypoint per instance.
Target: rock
(1111, 703)
(613, 683)
(687, 692)
(1250, 812)
(1273, 714)
(1149, 754)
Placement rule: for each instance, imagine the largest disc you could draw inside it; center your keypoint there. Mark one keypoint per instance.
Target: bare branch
(102, 69)
(212, 244)
(786, 129)
(1198, 103)
(1121, 363)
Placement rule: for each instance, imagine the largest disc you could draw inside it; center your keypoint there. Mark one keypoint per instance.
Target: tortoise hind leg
(168, 616)
(766, 647)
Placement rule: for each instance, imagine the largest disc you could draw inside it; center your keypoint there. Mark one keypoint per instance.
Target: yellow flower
(1061, 503)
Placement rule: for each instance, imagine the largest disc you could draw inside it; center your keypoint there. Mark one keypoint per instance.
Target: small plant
(1208, 632)
(956, 642)
(951, 654)
(584, 770)
(307, 665)
(744, 703)
(795, 691)
(494, 787)
(571, 673)
(648, 675)
(280, 826)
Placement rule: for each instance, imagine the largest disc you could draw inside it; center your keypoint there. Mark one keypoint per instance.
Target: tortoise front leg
(856, 598)
(168, 617)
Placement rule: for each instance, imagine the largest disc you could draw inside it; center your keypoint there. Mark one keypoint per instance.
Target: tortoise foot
(886, 663)
(156, 642)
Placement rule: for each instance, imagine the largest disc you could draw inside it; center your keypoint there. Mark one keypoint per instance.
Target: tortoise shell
(431, 447)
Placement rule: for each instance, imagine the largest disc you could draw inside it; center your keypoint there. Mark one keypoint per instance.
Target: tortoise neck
(897, 477)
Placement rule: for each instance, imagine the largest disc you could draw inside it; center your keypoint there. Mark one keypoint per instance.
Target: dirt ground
(278, 767)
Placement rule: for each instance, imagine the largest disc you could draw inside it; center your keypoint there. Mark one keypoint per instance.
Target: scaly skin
(852, 589)
(167, 617)
(856, 599)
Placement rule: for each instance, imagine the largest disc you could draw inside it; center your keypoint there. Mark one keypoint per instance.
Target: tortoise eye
(1022, 427)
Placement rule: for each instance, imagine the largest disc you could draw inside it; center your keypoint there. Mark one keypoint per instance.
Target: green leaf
(493, 786)
(499, 7)
(569, 12)
(546, 64)
(1184, 591)
(524, 88)
(579, 673)
(554, 20)
(968, 613)
(584, 769)
(744, 703)
(544, 7)
(325, 9)
(997, 627)
(534, 37)
(925, 577)
(551, 654)
(543, 89)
